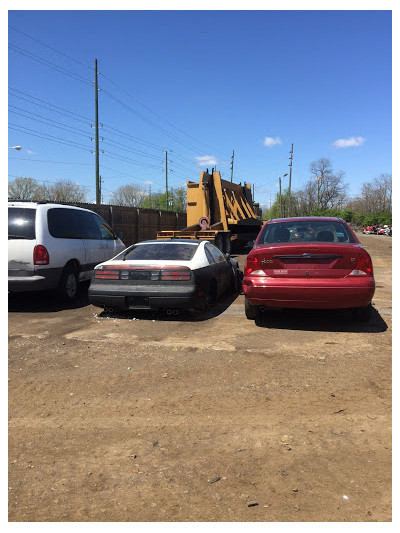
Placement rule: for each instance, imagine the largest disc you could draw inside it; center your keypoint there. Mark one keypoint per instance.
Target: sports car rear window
(306, 231)
(162, 251)
(21, 223)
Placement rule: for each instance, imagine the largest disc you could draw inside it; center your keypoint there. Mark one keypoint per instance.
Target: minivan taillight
(363, 266)
(40, 255)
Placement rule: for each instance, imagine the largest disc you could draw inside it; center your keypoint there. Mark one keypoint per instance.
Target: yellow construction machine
(219, 211)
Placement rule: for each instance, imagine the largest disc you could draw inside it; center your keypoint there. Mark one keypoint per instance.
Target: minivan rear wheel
(68, 286)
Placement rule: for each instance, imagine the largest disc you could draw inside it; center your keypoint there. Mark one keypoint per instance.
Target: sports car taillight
(253, 266)
(40, 255)
(106, 274)
(363, 266)
(175, 274)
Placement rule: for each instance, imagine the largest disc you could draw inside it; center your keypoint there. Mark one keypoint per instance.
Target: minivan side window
(63, 223)
(94, 227)
(105, 230)
(89, 226)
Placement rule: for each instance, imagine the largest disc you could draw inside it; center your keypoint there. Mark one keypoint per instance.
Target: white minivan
(53, 246)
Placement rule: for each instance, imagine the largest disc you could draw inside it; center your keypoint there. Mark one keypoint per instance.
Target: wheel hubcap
(70, 286)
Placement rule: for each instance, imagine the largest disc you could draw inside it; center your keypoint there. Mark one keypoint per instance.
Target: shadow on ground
(45, 301)
(176, 315)
(335, 320)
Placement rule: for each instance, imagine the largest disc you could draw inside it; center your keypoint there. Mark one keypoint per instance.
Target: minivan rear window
(21, 223)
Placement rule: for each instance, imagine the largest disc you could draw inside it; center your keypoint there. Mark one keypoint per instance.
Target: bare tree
(329, 188)
(62, 191)
(129, 195)
(23, 189)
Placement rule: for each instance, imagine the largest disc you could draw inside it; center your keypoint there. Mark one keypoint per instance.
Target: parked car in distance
(310, 263)
(164, 274)
(53, 246)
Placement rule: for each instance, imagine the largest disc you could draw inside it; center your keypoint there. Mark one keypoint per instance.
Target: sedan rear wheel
(252, 311)
(362, 314)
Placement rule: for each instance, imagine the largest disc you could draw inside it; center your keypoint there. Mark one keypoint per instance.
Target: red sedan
(310, 263)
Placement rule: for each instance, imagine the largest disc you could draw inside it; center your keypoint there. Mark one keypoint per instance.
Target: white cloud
(270, 141)
(351, 141)
(31, 152)
(204, 160)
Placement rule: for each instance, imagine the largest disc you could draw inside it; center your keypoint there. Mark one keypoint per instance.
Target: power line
(48, 122)
(50, 47)
(48, 137)
(81, 117)
(148, 121)
(48, 161)
(161, 118)
(49, 64)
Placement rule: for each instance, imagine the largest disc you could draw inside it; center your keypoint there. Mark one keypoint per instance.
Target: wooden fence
(134, 224)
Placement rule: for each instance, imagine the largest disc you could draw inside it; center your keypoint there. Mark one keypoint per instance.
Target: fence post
(137, 225)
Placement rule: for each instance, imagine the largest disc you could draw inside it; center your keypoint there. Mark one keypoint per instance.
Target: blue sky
(202, 84)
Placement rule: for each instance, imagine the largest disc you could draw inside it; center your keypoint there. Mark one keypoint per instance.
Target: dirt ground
(149, 418)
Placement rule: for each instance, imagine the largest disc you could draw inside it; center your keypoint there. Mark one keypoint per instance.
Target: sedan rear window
(306, 231)
(163, 252)
(21, 223)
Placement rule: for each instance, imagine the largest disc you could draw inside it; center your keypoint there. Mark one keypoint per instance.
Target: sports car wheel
(209, 298)
(252, 311)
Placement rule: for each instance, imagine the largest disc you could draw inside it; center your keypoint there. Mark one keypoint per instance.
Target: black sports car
(173, 274)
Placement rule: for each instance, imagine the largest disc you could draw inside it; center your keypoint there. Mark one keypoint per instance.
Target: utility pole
(96, 125)
(290, 181)
(233, 156)
(280, 196)
(166, 180)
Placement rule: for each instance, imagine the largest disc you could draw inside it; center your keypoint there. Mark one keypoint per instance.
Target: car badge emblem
(307, 273)
(306, 255)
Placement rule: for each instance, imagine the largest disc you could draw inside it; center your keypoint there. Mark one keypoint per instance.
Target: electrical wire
(47, 46)
(49, 64)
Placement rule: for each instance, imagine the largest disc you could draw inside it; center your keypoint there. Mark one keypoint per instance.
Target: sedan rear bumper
(343, 293)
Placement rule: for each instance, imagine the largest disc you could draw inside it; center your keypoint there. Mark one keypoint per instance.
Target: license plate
(138, 301)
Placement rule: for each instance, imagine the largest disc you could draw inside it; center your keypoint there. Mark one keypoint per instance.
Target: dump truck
(219, 211)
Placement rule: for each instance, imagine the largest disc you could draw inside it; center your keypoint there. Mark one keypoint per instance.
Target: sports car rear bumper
(146, 297)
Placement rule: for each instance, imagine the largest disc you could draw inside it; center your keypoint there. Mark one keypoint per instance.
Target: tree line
(325, 193)
(67, 191)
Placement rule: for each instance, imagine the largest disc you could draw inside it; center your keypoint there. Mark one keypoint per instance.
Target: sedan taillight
(363, 266)
(253, 266)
